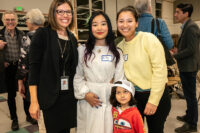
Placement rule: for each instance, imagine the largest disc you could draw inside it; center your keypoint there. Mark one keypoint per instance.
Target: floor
(178, 107)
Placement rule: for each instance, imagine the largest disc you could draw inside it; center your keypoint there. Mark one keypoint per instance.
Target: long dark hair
(109, 39)
(113, 100)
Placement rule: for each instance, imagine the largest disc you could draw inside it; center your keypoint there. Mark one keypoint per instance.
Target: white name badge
(126, 57)
(65, 83)
(106, 58)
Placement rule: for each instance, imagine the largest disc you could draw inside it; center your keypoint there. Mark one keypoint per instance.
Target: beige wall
(168, 16)
(110, 8)
(43, 5)
(113, 6)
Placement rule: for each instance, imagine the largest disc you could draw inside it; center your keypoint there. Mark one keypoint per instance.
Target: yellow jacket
(145, 64)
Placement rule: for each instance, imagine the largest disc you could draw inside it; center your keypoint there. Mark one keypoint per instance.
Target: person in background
(100, 63)
(2, 75)
(187, 56)
(145, 18)
(11, 51)
(126, 116)
(53, 58)
(34, 20)
(145, 66)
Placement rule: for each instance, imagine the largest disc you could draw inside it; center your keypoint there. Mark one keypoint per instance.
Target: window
(84, 11)
(158, 9)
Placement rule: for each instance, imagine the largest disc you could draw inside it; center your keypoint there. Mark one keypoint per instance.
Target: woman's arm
(159, 73)
(80, 87)
(81, 90)
(23, 64)
(35, 60)
(34, 108)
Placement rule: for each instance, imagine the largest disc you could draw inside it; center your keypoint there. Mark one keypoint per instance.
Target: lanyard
(62, 51)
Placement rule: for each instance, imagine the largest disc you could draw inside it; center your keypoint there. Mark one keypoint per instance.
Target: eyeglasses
(62, 12)
(8, 20)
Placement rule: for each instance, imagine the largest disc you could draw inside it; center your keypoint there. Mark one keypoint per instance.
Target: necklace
(62, 50)
(99, 51)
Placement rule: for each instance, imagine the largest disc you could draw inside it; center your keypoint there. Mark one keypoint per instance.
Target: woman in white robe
(100, 64)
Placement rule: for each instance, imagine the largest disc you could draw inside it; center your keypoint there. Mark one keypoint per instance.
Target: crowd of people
(99, 86)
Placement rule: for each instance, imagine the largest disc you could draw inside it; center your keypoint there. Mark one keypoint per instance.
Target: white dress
(96, 77)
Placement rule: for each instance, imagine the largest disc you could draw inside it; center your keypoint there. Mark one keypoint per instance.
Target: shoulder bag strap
(152, 26)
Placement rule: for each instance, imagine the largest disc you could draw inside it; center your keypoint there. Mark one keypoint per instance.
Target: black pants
(188, 80)
(65, 131)
(2, 81)
(155, 122)
(11, 84)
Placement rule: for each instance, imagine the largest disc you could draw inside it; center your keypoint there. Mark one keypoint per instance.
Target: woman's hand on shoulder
(92, 99)
(150, 109)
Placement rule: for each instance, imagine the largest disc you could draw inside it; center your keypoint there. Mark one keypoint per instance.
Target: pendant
(99, 51)
(61, 56)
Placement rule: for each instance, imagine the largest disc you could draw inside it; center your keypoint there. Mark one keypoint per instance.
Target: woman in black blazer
(53, 61)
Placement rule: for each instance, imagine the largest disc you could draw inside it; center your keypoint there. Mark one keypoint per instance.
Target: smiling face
(63, 16)
(123, 96)
(99, 27)
(10, 21)
(127, 25)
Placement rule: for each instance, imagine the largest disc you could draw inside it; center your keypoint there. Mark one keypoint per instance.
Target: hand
(21, 88)
(2, 44)
(6, 64)
(92, 99)
(34, 110)
(150, 109)
(173, 51)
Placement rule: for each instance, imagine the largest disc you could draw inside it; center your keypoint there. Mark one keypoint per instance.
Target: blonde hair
(9, 12)
(36, 17)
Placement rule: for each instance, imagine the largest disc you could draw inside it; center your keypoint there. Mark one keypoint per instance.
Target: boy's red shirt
(129, 121)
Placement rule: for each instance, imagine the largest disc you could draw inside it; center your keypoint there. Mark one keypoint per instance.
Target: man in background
(145, 20)
(2, 45)
(11, 39)
(187, 56)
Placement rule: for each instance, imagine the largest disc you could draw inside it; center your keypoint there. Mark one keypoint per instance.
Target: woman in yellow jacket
(146, 68)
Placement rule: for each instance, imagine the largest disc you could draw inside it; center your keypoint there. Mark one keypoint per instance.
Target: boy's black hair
(113, 100)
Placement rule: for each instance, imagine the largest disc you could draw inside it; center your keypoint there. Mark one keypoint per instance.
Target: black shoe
(181, 118)
(186, 128)
(31, 120)
(15, 125)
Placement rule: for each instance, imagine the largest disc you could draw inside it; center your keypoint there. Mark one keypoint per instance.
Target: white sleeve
(119, 71)
(80, 88)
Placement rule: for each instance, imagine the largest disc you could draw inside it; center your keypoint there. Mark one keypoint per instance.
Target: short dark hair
(186, 8)
(113, 100)
(52, 11)
(130, 9)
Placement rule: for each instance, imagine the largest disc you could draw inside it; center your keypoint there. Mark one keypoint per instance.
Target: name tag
(65, 83)
(106, 58)
(126, 57)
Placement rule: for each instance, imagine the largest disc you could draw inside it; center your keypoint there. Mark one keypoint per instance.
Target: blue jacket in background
(144, 24)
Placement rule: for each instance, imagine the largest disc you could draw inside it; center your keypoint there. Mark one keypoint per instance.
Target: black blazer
(188, 48)
(44, 66)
